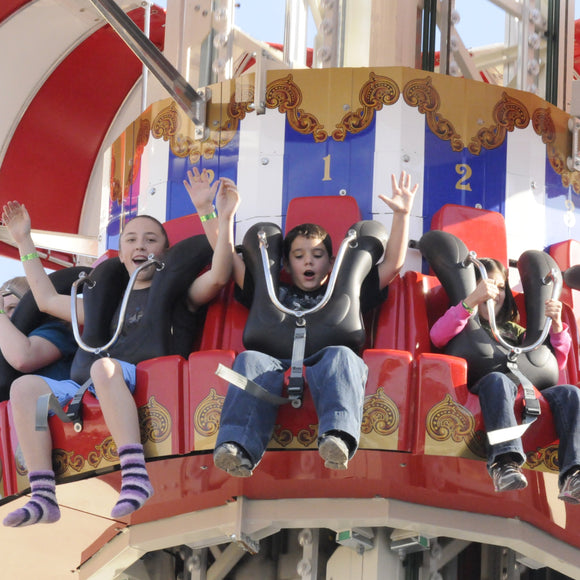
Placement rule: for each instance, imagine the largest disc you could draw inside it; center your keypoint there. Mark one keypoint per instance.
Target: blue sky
(264, 20)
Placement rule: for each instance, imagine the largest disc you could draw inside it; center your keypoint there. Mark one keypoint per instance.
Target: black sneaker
(232, 458)
(570, 489)
(507, 476)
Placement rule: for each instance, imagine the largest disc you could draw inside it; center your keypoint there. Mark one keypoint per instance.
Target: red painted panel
(203, 397)
(8, 7)
(160, 399)
(483, 231)
(55, 146)
(334, 213)
(391, 371)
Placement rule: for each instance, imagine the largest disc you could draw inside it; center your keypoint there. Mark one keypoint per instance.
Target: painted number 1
(326, 168)
(465, 171)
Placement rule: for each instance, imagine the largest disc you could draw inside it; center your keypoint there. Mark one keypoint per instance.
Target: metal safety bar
(191, 101)
(552, 277)
(349, 238)
(84, 279)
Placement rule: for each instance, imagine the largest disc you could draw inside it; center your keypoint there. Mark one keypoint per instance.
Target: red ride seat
(387, 422)
(449, 420)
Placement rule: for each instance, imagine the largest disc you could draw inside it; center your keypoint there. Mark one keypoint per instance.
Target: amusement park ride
(105, 107)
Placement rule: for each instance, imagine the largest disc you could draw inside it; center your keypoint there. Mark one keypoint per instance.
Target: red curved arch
(55, 146)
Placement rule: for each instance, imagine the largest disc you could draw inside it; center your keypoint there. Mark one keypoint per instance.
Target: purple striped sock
(42, 508)
(136, 488)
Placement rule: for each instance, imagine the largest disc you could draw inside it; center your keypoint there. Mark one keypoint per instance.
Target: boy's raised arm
(16, 218)
(401, 203)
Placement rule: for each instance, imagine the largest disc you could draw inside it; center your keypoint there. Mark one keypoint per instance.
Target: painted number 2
(465, 171)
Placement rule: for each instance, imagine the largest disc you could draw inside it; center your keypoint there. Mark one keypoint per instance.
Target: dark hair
(307, 231)
(509, 309)
(154, 220)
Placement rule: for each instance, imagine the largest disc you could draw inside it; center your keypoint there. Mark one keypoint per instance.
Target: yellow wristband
(31, 256)
(208, 216)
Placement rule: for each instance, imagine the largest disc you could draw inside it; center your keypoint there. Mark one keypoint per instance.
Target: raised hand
(201, 190)
(15, 217)
(228, 198)
(403, 194)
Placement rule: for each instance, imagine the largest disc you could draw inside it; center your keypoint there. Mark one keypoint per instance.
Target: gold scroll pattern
(286, 96)
(545, 458)
(376, 92)
(380, 414)
(448, 420)
(67, 462)
(206, 420)
(422, 94)
(167, 125)
(154, 422)
(544, 126)
(508, 113)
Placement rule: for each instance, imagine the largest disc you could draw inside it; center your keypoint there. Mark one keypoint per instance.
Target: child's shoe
(507, 475)
(334, 451)
(232, 458)
(570, 489)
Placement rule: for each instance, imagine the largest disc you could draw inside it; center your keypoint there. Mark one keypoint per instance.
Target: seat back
(567, 254)
(335, 213)
(183, 227)
(483, 231)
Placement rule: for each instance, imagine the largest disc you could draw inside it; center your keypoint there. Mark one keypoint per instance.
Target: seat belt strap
(296, 380)
(249, 386)
(49, 402)
(530, 413)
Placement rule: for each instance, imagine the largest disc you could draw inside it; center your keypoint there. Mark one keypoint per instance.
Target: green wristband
(470, 310)
(31, 256)
(208, 216)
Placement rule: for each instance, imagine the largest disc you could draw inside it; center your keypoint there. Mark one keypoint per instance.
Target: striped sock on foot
(136, 488)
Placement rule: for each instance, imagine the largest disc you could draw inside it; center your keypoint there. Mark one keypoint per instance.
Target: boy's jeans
(336, 378)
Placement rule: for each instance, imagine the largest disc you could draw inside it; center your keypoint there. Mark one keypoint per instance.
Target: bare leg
(36, 445)
(121, 416)
(37, 449)
(117, 403)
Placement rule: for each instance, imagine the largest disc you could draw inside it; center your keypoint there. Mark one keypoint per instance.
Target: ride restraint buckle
(531, 410)
(73, 414)
(296, 380)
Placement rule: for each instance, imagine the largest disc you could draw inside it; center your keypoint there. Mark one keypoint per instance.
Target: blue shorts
(64, 391)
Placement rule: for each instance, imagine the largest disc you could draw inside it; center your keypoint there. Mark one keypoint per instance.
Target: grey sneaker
(334, 451)
(570, 490)
(233, 459)
(507, 476)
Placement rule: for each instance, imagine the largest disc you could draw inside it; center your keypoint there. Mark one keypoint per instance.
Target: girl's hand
(553, 310)
(201, 190)
(485, 290)
(15, 217)
(228, 198)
